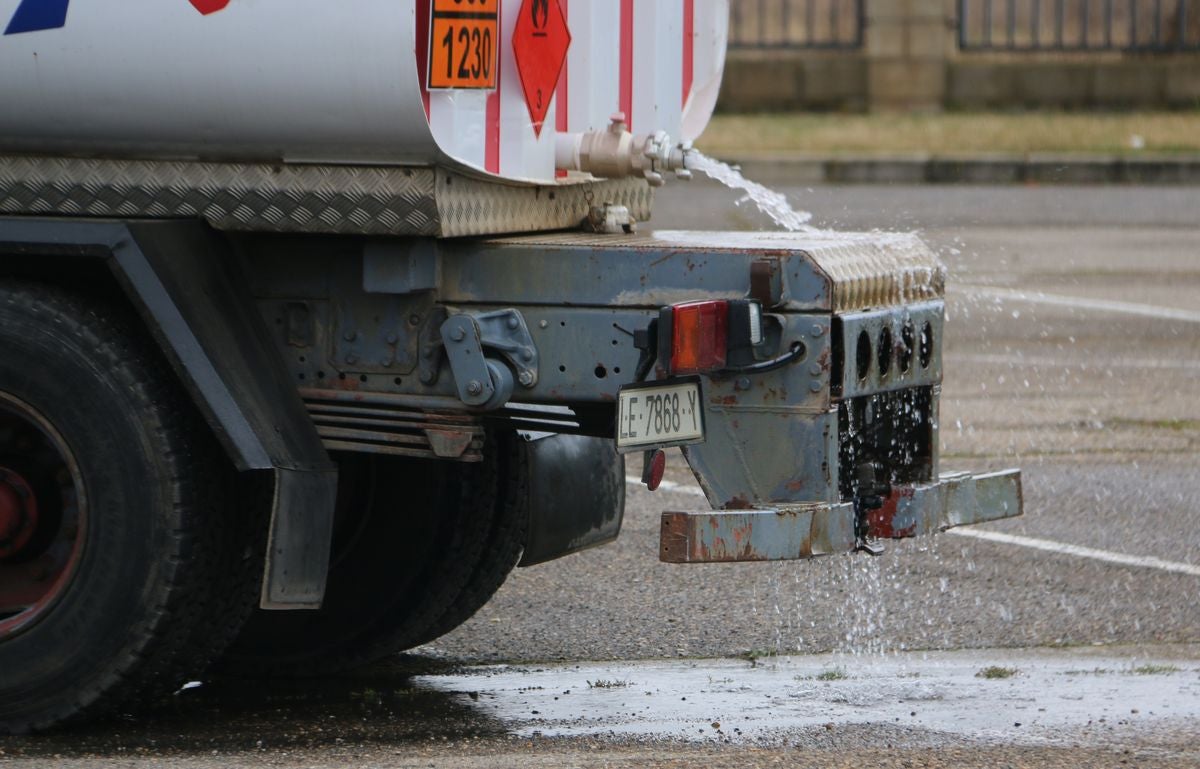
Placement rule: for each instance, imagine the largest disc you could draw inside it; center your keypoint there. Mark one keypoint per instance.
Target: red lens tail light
(699, 337)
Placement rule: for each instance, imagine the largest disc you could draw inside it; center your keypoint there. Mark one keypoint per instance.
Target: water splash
(773, 204)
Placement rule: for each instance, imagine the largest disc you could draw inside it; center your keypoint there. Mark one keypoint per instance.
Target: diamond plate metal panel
(281, 198)
(469, 206)
(879, 270)
(362, 200)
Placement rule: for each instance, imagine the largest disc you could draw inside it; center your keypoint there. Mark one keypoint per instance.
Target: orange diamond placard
(540, 41)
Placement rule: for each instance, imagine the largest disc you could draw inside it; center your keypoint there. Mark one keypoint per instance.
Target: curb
(970, 169)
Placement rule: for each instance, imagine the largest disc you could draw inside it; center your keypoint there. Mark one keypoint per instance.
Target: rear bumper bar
(789, 532)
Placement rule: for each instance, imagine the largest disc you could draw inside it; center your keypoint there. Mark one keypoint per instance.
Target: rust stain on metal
(449, 444)
(673, 543)
(881, 522)
(737, 503)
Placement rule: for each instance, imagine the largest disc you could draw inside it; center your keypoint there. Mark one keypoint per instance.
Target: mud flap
(576, 497)
(790, 532)
(187, 286)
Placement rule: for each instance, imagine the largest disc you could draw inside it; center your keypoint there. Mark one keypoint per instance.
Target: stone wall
(910, 61)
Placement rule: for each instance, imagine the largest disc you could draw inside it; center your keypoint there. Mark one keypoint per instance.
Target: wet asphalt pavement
(1072, 351)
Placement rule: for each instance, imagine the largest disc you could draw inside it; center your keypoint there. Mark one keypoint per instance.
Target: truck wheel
(115, 579)
(408, 535)
(505, 543)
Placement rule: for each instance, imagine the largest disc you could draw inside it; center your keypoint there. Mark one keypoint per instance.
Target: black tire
(408, 536)
(157, 580)
(506, 541)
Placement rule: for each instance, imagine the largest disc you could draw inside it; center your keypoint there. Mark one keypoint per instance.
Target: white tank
(315, 81)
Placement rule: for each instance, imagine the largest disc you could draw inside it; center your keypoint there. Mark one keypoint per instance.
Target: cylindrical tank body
(309, 81)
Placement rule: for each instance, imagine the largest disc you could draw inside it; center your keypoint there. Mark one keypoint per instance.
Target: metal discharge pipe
(615, 153)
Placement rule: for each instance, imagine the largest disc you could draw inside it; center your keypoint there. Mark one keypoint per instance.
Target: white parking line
(1047, 545)
(1033, 361)
(1059, 300)
(1051, 546)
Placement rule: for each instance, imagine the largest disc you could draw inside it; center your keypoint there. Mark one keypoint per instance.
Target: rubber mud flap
(576, 495)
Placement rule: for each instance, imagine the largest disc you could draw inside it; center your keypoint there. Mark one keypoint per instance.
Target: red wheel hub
(18, 513)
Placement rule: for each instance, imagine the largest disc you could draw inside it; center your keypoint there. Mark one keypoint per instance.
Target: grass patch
(754, 655)
(1092, 672)
(995, 671)
(1120, 133)
(602, 683)
(1154, 670)
(832, 674)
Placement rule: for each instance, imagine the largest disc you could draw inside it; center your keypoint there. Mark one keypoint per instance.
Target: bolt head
(818, 329)
(526, 378)
(816, 387)
(458, 333)
(742, 383)
(474, 387)
(392, 338)
(427, 377)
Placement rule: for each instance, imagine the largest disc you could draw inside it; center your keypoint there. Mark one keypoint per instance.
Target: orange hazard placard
(464, 36)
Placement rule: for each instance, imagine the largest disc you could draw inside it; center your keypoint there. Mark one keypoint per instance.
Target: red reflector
(699, 334)
(656, 465)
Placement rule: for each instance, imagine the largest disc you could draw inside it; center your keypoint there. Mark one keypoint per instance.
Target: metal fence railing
(836, 24)
(1161, 26)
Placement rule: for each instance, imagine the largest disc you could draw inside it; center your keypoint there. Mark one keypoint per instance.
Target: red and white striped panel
(658, 61)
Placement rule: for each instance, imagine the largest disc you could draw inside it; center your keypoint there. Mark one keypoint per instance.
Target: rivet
(513, 322)
(543, 323)
(815, 369)
(816, 387)
(743, 383)
(392, 338)
(458, 333)
(818, 329)
(352, 358)
(350, 335)
(527, 353)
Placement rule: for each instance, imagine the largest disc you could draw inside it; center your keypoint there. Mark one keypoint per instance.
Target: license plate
(670, 414)
(463, 43)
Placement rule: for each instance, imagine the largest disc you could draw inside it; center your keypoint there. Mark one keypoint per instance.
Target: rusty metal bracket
(505, 332)
(790, 532)
(464, 349)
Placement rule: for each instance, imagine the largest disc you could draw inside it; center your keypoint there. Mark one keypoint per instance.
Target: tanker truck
(317, 319)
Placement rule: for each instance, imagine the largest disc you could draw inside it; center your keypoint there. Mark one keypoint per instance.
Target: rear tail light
(698, 337)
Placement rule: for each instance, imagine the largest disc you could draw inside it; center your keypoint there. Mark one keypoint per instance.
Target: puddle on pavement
(1040, 697)
(1056, 697)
